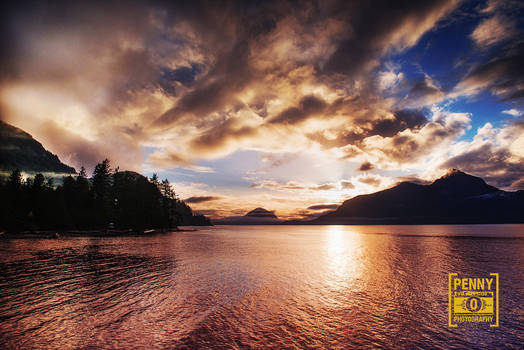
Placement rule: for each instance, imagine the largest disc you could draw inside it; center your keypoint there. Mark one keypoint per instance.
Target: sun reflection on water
(343, 256)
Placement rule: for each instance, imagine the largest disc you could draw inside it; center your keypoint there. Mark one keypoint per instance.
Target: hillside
(19, 150)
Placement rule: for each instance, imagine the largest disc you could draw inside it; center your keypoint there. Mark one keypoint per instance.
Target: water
(258, 287)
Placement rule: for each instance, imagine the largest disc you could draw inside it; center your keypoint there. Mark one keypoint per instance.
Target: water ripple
(254, 287)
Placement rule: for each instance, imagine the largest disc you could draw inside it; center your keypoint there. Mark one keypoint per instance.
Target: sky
(294, 106)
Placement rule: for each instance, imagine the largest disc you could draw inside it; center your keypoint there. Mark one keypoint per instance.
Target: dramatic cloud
(201, 199)
(496, 166)
(309, 105)
(399, 121)
(370, 180)
(379, 28)
(499, 71)
(495, 154)
(366, 166)
(272, 185)
(347, 185)
(198, 86)
(291, 186)
(323, 206)
(170, 159)
(424, 92)
(324, 187)
(493, 30)
(411, 145)
(193, 85)
(389, 78)
(503, 76)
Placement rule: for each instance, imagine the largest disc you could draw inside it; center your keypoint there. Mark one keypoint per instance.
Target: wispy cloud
(513, 112)
(493, 30)
(201, 199)
(366, 166)
(323, 206)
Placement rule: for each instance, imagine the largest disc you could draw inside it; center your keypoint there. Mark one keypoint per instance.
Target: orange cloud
(493, 30)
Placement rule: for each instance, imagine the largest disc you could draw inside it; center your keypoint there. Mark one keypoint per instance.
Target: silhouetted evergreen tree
(84, 201)
(15, 179)
(102, 182)
(14, 200)
(154, 180)
(78, 199)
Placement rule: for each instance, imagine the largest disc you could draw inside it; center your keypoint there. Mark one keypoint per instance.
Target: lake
(258, 287)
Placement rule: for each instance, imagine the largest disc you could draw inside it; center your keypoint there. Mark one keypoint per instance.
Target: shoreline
(57, 234)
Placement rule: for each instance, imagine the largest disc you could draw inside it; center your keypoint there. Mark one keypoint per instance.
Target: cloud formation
(370, 180)
(503, 76)
(513, 112)
(366, 166)
(323, 206)
(493, 30)
(496, 154)
(193, 85)
(201, 199)
(158, 85)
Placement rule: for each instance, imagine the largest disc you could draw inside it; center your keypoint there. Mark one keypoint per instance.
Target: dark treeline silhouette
(109, 199)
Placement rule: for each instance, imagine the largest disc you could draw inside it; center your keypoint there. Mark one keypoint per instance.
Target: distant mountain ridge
(257, 216)
(454, 198)
(19, 150)
(261, 213)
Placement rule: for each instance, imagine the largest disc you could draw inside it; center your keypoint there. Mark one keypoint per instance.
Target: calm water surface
(258, 287)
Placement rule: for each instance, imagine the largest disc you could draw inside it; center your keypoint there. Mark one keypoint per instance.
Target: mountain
(257, 216)
(261, 213)
(454, 198)
(18, 149)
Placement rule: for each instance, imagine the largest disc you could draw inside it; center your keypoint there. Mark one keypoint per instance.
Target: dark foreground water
(258, 287)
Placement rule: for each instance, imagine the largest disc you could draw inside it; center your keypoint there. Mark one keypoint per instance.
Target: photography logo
(473, 300)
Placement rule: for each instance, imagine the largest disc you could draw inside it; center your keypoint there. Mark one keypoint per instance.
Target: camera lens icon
(473, 304)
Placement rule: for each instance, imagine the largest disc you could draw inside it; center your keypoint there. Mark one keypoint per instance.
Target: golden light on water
(343, 258)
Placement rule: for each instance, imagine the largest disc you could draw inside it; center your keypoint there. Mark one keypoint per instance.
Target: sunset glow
(291, 108)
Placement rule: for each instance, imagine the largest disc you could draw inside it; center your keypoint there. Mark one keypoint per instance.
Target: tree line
(109, 199)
